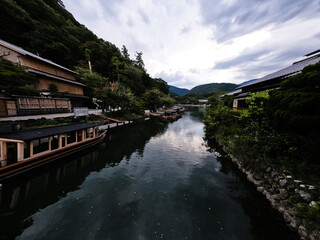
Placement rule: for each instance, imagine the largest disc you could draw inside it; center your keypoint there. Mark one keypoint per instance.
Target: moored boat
(24, 150)
(167, 115)
(179, 109)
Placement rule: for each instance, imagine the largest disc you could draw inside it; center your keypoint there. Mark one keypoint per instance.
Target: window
(54, 142)
(26, 149)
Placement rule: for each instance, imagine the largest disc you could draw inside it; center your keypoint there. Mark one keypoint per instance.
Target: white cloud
(193, 42)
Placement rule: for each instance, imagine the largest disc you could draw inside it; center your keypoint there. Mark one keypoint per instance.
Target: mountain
(241, 84)
(178, 91)
(210, 88)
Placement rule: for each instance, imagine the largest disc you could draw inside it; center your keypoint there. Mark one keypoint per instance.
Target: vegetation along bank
(276, 144)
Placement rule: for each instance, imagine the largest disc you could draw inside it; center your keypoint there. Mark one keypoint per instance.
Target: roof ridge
(25, 52)
(309, 58)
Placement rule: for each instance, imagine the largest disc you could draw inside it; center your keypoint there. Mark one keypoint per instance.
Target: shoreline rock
(284, 193)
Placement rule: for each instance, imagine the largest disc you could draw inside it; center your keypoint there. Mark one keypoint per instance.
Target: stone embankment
(285, 193)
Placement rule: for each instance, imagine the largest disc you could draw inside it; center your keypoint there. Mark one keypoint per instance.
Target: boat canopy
(45, 132)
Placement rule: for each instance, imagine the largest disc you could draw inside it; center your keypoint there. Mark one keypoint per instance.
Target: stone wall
(284, 193)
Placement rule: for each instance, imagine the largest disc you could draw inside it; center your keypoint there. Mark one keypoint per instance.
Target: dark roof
(235, 92)
(45, 132)
(24, 52)
(312, 53)
(73, 96)
(295, 68)
(54, 76)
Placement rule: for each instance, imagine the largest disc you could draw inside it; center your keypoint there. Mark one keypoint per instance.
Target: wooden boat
(25, 150)
(166, 115)
(179, 109)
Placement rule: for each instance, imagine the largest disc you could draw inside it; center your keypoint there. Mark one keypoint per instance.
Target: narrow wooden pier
(117, 124)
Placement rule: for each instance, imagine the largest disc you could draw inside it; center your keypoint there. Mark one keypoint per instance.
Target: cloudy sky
(193, 42)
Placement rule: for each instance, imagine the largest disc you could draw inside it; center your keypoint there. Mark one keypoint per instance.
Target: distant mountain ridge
(210, 88)
(178, 91)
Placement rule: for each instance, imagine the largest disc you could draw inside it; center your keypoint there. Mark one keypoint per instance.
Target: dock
(117, 124)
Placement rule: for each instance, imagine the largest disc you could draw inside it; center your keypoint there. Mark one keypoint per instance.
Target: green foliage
(280, 126)
(310, 213)
(139, 62)
(15, 80)
(26, 90)
(88, 54)
(215, 100)
(190, 99)
(93, 81)
(256, 107)
(211, 88)
(125, 53)
(219, 120)
(131, 76)
(53, 88)
(154, 99)
(228, 100)
(295, 106)
(162, 85)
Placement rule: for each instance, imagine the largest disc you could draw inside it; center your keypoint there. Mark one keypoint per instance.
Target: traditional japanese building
(271, 81)
(47, 73)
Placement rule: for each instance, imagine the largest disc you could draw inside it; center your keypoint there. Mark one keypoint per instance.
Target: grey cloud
(170, 77)
(186, 29)
(240, 17)
(130, 22)
(243, 58)
(193, 70)
(144, 17)
(177, 79)
(109, 7)
(317, 35)
(251, 66)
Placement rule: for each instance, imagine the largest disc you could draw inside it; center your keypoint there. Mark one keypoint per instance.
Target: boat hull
(16, 169)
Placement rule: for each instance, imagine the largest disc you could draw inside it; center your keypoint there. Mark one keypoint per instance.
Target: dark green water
(150, 181)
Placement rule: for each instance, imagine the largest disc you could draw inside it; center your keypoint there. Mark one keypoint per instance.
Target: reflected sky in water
(164, 185)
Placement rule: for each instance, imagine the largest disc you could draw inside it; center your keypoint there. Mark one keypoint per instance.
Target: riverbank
(296, 200)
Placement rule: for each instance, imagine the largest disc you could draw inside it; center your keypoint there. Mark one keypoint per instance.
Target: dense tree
(139, 62)
(280, 126)
(162, 85)
(154, 99)
(295, 106)
(14, 79)
(125, 53)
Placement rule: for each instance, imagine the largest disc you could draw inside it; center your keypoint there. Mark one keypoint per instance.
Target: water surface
(150, 181)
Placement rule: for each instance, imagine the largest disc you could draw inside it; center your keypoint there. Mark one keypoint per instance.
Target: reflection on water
(150, 181)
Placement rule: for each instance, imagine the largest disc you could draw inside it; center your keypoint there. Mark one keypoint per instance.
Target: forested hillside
(178, 91)
(210, 88)
(46, 28)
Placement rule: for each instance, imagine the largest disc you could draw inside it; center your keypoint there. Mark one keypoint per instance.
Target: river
(148, 181)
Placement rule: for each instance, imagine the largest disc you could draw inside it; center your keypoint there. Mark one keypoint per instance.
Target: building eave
(26, 53)
(31, 70)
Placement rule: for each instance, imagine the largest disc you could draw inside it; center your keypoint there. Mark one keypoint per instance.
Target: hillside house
(47, 72)
(271, 81)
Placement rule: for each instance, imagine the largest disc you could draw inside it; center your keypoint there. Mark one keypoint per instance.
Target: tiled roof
(286, 72)
(24, 52)
(45, 132)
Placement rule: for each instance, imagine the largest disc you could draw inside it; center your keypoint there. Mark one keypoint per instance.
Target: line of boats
(168, 115)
